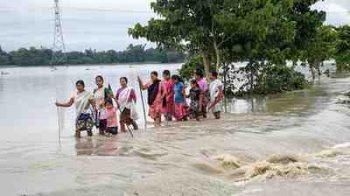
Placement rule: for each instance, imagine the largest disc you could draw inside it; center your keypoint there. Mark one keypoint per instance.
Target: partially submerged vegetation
(267, 34)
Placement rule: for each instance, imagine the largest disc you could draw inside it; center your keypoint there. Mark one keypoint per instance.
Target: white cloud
(338, 11)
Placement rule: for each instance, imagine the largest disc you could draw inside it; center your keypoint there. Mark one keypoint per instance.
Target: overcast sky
(97, 24)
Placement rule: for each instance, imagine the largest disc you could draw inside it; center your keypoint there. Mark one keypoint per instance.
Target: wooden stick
(143, 105)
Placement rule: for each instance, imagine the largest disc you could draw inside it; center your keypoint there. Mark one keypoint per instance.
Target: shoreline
(88, 65)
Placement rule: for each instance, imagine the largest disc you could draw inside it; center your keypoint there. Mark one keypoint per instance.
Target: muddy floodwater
(297, 143)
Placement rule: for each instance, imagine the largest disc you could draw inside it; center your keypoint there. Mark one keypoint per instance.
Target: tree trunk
(225, 89)
(206, 62)
(318, 68)
(313, 72)
(218, 56)
(295, 63)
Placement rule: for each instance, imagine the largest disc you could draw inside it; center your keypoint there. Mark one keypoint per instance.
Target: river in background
(297, 143)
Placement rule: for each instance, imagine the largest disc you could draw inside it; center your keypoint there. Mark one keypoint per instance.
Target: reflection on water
(291, 102)
(297, 142)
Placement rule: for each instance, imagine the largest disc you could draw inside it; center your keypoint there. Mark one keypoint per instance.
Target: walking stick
(143, 105)
(132, 135)
(59, 118)
(59, 115)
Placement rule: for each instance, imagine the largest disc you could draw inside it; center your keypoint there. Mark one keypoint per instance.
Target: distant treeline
(133, 54)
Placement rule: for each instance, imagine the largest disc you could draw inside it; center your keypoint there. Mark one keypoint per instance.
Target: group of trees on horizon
(264, 33)
(133, 54)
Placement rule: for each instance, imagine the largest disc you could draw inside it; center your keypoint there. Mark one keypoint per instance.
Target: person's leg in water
(134, 124)
(89, 125)
(157, 121)
(217, 115)
(169, 117)
(102, 126)
(77, 133)
(112, 130)
(89, 132)
(197, 114)
(122, 126)
(204, 111)
(123, 121)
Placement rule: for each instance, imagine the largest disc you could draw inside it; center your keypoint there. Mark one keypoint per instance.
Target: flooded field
(297, 143)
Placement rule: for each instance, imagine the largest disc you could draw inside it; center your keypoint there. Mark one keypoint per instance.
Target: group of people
(166, 97)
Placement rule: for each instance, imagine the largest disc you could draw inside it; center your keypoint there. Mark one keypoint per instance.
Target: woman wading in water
(155, 97)
(203, 86)
(168, 96)
(181, 108)
(82, 100)
(126, 100)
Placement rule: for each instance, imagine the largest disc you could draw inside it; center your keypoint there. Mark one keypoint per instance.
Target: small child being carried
(112, 122)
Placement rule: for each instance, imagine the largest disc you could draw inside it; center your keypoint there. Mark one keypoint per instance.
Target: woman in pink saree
(155, 95)
(168, 96)
(203, 86)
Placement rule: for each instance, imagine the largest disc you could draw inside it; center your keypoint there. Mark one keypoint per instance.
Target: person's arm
(183, 90)
(142, 85)
(93, 103)
(117, 98)
(188, 96)
(66, 104)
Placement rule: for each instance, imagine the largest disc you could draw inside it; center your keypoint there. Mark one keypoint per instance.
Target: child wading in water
(195, 97)
(111, 113)
(179, 98)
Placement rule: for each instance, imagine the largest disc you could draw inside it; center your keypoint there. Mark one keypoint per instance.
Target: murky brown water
(294, 144)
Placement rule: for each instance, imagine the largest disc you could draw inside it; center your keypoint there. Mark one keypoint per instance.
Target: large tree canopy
(228, 30)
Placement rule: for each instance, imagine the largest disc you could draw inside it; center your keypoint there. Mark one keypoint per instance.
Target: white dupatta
(123, 101)
(82, 101)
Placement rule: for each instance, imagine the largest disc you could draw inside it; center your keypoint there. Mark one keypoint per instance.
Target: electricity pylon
(59, 48)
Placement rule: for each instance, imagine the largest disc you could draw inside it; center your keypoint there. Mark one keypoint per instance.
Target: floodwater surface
(297, 143)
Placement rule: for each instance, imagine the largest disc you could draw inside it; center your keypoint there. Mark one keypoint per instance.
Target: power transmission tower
(59, 48)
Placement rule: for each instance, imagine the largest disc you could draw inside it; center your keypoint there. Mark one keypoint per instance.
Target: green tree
(320, 48)
(342, 53)
(4, 58)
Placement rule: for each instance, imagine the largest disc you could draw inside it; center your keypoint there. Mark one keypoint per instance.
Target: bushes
(190, 66)
(276, 79)
(256, 78)
(187, 70)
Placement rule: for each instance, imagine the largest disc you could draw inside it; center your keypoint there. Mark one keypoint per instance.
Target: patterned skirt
(84, 122)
